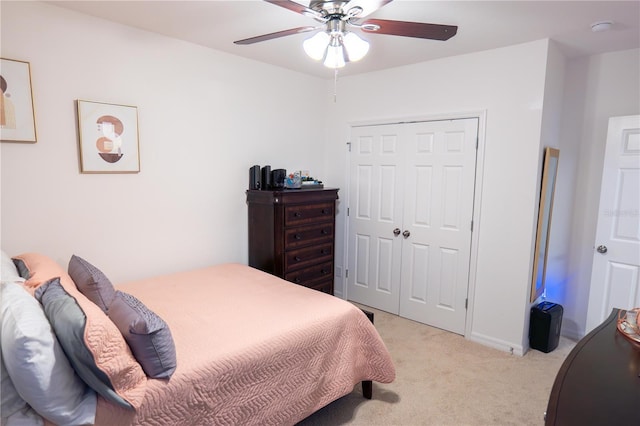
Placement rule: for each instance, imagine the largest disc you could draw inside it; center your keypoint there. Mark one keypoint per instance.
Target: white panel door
(438, 210)
(410, 210)
(375, 209)
(615, 277)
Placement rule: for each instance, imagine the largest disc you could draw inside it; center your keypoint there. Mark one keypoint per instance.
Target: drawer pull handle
(324, 272)
(324, 251)
(297, 214)
(325, 211)
(324, 232)
(296, 280)
(297, 258)
(298, 237)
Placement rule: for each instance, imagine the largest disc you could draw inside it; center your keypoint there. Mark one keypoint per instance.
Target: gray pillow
(68, 322)
(23, 271)
(91, 282)
(146, 333)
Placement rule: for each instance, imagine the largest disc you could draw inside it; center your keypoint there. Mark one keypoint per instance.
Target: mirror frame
(545, 212)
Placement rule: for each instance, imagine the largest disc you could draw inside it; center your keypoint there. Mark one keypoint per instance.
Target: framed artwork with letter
(108, 136)
(17, 118)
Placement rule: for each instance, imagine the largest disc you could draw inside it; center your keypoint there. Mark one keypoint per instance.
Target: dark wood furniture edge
(367, 385)
(550, 414)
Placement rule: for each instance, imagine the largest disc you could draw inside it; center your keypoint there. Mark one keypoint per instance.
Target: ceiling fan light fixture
(334, 57)
(355, 46)
(316, 46)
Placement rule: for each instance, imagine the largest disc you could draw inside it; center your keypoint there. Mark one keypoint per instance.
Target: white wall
(204, 118)
(598, 87)
(562, 214)
(508, 84)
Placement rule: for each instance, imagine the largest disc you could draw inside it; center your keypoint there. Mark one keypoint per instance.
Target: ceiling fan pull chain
(335, 85)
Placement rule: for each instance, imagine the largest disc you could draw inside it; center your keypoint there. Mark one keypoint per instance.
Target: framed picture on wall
(108, 138)
(17, 117)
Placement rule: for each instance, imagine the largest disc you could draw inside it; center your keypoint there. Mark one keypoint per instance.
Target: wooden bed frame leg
(367, 389)
(367, 385)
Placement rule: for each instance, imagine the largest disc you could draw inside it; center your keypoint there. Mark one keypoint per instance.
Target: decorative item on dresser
(292, 235)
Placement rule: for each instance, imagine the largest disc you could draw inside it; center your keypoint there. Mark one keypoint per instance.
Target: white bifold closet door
(410, 219)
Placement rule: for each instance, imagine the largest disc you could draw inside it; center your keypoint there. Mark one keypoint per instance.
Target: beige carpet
(443, 379)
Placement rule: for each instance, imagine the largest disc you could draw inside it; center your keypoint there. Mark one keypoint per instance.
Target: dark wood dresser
(599, 381)
(292, 235)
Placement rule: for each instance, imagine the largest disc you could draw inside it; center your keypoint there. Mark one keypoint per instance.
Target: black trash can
(544, 326)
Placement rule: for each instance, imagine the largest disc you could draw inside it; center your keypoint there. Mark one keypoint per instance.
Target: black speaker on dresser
(544, 326)
(277, 178)
(266, 178)
(254, 177)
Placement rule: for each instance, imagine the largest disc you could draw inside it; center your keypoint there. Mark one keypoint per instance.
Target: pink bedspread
(252, 349)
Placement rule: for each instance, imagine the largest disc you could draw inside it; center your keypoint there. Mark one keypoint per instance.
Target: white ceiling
(481, 25)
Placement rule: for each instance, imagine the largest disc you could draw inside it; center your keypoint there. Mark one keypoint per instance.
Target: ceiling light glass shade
(334, 57)
(356, 47)
(316, 46)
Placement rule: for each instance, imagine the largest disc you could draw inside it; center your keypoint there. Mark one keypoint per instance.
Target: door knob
(396, 232)
(406, 234)
(602, 249)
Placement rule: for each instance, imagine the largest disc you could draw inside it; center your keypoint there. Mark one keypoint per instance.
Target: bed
(250, 348)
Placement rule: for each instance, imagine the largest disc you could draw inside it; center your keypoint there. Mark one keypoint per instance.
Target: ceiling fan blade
(410, 29)
(296, 7)
(367, 6)
(277, 34)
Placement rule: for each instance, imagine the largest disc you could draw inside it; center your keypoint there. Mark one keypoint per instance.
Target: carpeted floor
(443, 379)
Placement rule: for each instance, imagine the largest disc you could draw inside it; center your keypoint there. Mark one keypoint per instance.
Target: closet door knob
(406, 234)
(396, 232)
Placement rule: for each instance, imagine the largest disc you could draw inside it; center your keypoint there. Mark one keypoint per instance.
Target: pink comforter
(252, 349)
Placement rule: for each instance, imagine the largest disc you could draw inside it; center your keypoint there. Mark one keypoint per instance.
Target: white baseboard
(497, 344)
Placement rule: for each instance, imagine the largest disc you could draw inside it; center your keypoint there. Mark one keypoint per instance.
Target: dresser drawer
(306, 235)
(300, 258)
(325, 286)
(300, 214)
(306, 276)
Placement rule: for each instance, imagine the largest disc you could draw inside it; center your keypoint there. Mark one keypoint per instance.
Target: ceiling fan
(336, 44)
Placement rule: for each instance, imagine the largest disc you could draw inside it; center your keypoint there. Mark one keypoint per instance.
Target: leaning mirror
(547, 189)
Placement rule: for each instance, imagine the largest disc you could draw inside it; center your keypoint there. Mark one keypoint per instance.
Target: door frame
(477, 194)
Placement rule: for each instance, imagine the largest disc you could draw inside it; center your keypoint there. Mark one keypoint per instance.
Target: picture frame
(108, 137)
(17, 115)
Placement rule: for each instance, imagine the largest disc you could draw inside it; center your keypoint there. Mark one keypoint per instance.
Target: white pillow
(24, 417)
(11, 402)
(37, 364)
(9, 272)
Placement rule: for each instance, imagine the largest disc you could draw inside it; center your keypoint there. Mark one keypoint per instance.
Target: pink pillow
(102, 338)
